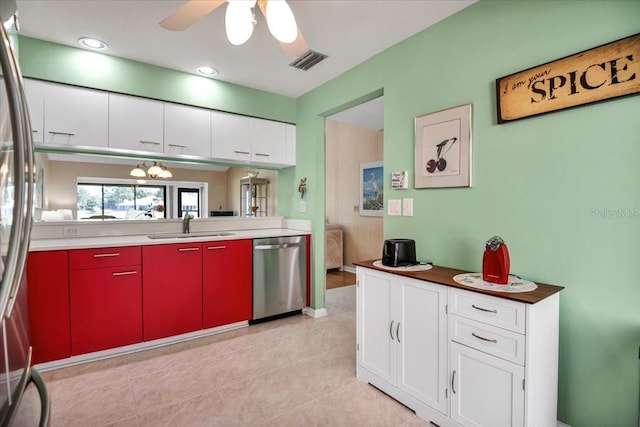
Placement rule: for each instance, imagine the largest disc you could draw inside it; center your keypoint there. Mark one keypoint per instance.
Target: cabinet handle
(178, 145)
(241, 152)
(263, 154)
(35, 130)
(125, 273)
(391, 330)
(453, 382)
(61, 133)
(398, 332)
(187, 249)
(106, 255)
(483, 338)
(484, 309)
(216, 247)
(149, 142)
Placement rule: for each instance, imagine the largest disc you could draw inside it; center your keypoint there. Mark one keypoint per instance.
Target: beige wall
(60, 179)
(346, 147)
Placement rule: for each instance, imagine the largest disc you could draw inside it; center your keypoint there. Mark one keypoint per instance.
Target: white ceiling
(368, 115)
(349, 31)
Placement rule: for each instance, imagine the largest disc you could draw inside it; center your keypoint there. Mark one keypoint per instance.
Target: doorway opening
(353, 137)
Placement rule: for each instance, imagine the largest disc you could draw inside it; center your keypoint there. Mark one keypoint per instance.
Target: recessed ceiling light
(91, 43)
(207, 71)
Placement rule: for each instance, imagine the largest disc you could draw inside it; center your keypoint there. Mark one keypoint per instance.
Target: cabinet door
(375, 328)
(269, 142)
(291, 145)
(421, 334)
(75, 116)
(34, 92)
(48, 287)
(187, 130)
(106, 308)
(226, 282)
(172, 289)
(135, 123)
(485, 390)
(231, 137)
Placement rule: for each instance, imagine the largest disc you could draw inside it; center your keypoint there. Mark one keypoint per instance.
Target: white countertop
(136, 240)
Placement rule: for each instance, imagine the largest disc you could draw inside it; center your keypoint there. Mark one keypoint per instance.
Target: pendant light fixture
(156, 170)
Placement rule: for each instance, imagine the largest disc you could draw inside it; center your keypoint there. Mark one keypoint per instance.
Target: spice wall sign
(608, 71)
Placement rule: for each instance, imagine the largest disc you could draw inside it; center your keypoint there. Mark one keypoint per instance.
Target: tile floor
(289, 372)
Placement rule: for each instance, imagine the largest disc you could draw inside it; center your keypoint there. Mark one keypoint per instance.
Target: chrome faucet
(185, 222)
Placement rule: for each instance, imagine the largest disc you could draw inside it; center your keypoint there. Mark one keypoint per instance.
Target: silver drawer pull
(398, 331)
(178, 145)
(61, 133)
(125, 273)
(106, 255)
(453, 382)
(263, 155)
(188, 249)
(216, 247)
(483, 338)
(484, 309)
(241, 152)
(149, 142)
(391, 330)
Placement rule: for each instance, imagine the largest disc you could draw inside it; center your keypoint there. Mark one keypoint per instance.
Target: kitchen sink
(188, 235)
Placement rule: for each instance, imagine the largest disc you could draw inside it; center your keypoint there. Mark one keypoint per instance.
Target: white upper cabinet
(135, 123)
(187, 130)
(231, 137)
(34, 92)
(269, 142)
(291, 145)
(75, 116)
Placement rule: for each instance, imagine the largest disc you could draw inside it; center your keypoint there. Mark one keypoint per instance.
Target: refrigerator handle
(15, 103)
(45, 402)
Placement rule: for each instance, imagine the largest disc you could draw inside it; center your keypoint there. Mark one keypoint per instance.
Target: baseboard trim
(321, 312)
(561, 424)
(348, 269)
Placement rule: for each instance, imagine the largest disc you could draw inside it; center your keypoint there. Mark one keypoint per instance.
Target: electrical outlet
(70, 231)
(302, 207)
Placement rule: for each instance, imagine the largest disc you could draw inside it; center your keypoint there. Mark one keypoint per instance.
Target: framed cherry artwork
(443, 148)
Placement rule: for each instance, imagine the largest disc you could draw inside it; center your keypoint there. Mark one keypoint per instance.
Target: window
(121, 201)
(188, 202)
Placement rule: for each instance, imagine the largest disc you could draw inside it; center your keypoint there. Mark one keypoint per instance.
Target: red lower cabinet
(106, 308)
(226, 282)
(48, 289)
(172, 289)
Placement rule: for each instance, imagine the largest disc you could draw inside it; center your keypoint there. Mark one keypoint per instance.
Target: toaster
(399, 252)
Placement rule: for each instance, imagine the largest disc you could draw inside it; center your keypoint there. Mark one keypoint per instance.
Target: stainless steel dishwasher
(279, 276)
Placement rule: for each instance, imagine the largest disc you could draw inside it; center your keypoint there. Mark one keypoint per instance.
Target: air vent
(308, 60)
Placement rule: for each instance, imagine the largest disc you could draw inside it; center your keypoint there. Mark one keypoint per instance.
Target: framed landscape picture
(371, 189)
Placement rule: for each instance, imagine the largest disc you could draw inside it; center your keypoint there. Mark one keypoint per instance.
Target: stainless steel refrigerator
(24, 399)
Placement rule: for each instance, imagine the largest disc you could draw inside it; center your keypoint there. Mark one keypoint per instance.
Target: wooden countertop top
(444, 276)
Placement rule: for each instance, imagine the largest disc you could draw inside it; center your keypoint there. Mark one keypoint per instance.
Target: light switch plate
(394, 207)
(407, 207)
(303, 206)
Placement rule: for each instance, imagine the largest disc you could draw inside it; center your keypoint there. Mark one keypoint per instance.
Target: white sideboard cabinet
(459, 357)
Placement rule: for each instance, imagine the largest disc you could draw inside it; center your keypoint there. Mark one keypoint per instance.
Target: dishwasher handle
(279, 246)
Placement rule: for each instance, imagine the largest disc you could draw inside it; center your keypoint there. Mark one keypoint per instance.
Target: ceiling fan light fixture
(239, 21)
(281, 22)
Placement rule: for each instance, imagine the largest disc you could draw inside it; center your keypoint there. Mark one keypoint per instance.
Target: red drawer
(80, 259)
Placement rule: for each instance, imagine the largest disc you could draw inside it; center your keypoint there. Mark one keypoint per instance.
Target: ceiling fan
(240, 19)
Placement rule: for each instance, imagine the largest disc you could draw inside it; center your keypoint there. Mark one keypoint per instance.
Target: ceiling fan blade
(189, 13)
(296, 47)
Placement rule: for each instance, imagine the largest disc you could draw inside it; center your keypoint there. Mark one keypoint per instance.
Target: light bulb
(239, 21)
(281, 21)
(166, 173)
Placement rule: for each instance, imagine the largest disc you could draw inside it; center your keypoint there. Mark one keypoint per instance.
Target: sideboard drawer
(504, 344)
(493, 311)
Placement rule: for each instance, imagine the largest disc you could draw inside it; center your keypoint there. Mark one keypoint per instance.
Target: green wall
(54, 62)
(540, 183)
